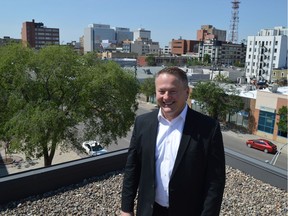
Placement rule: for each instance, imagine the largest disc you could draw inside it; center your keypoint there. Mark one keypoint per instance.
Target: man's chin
(166, 109)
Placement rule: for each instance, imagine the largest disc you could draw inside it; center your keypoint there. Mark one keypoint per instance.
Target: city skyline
(166, 20)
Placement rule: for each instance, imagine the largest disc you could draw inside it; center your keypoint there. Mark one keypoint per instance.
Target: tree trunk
(49, 157)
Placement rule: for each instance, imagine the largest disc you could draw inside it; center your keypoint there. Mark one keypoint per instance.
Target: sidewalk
(20, 164)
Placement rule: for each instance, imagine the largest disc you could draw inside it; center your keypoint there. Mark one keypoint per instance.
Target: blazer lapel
(151, 133)
(185, 140)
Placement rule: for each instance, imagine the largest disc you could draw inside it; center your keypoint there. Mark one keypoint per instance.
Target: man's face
(171, 95)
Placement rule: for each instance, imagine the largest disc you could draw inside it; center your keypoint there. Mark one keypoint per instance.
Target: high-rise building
(94, 34)
(122, 34)
(208, 32)
(143, 34)
(222, 53)
(36, 35)
(265, 52)
(180, 46)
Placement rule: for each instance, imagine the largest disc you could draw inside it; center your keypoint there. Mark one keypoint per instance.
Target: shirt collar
(181, 115)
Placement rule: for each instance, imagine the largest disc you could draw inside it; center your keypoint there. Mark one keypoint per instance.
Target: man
(176, 157)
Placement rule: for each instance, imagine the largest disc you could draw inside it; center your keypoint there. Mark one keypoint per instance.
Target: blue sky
(166, 19)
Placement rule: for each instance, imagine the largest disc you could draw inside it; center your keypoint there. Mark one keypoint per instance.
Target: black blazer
(198, 177)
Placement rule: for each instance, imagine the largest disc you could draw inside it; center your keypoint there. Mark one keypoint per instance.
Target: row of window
(263, 43)
(266, 57)
(46, 30)
(267, 51)
(46, 34)
(47, 38)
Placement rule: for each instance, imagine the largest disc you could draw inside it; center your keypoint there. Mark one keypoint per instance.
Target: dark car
(263, 145)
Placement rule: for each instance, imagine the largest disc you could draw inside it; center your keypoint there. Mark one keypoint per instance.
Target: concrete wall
(38, 181)
(35, 182)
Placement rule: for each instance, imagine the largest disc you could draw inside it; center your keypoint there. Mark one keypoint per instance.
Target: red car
(263, 145)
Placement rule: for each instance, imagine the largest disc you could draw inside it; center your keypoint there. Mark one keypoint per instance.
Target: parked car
(93, 148)
(263, 145)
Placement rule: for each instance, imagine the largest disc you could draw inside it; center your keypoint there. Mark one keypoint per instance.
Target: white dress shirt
(168, 141)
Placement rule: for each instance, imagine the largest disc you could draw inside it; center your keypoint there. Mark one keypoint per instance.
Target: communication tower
(233, 34)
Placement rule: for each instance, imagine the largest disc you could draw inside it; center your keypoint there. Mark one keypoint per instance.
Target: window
(276, 43)
(266, 121)
(275, 50)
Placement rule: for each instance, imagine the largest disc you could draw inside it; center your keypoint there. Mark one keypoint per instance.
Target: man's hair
(180, 74)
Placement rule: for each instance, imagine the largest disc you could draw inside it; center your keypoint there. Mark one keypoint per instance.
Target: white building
(95, 34)
(143, 34)
(141, 47)
(265, 52)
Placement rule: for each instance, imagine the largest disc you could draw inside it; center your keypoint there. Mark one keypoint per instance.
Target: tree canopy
(215, 100)
(282, 124)
(55, 97)
(150, 60)
(147, 87)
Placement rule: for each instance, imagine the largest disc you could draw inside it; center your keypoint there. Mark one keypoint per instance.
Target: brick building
(180, 47)
(36, 35)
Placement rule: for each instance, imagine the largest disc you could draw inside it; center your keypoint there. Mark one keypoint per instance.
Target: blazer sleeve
(131, 175)
(215, 175)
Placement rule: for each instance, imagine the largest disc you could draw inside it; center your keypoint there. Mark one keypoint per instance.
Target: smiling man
(176, 160)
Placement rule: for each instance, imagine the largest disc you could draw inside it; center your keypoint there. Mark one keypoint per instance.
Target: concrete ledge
(38, 181)
(34, 182)
(258, 169)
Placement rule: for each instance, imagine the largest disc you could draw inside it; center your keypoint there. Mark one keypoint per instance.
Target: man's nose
(166, 95)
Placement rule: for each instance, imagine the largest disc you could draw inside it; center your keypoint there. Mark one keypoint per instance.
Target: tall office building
(122, 34)
(208, 32)
(265, 52)
(143, 34)
(95, 34)
(36, 35)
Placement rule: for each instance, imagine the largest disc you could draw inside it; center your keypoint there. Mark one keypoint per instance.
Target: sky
(166, 19)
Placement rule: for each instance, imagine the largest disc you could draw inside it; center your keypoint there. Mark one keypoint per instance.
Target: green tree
(51, 93)
(239, 64)
(147, 87)
(215, 100)
(150, 59)
(14, 59)
(207, 59)
(282, 124)
(222, 79)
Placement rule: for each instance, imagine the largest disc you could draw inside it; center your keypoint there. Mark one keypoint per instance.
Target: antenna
(233, 35)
